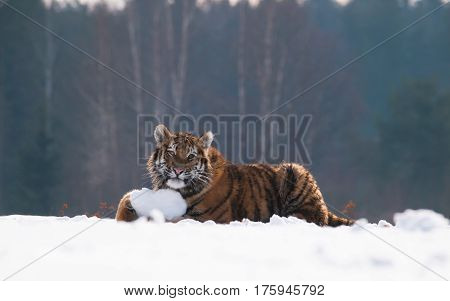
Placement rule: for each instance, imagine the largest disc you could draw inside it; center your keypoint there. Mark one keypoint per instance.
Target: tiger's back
(258, 191)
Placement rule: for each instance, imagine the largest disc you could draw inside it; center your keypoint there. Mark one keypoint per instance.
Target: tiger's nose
(178, 170)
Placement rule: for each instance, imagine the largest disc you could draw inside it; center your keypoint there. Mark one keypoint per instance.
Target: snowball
(159, 204)
(420, 220)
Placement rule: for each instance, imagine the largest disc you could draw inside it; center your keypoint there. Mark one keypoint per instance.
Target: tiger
(217, 190)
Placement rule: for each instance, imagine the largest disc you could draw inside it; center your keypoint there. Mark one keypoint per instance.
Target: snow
(420, 220)
(284, 249)
(163, 204)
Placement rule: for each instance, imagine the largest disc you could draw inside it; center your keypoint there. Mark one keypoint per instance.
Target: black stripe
(304, 185)
(220, 204)
(258, 189)
(213, 157)
(230, 184)
(224, 200)
(155, 155)
(305, 197)
(204, 162)
(192, 191)
(256, 210)
(194, 204)
(290, 179)
(219, 216)
(234, 201)
(198, 214)
(296, 200)
(272, 195)
(241, 206)
(252, 185)
(256, 213)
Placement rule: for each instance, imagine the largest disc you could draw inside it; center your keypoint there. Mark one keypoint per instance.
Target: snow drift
(284, 249)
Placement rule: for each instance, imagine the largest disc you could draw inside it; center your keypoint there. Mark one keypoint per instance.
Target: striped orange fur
(218, 190)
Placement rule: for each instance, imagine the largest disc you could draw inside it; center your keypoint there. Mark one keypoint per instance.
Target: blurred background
(380, 134)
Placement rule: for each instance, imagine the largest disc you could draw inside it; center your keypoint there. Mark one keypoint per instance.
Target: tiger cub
(218, 190)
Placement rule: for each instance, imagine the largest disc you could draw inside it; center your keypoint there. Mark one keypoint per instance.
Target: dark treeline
(380, 134)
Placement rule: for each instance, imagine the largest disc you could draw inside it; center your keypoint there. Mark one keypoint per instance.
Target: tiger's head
(180, 161)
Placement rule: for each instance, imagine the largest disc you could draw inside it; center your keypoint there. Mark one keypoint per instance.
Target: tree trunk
(265, 77)
(104, 174)
(158, 108)
(266, 74)
(279, 78)
(48, 75)
(183, 56)
(178, 61)
(2, 134)
(241, 59)
(133, 32)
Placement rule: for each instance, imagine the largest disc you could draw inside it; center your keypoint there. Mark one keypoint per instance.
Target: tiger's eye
(191, 157)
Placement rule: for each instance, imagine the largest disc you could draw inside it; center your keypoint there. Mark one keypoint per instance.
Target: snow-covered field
(284, 249)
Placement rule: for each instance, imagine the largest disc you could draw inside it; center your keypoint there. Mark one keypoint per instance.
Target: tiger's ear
(207, 139)
(162, 134)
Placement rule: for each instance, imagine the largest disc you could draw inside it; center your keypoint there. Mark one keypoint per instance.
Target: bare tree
(279, 77)
(269, 75)
(241, 58)
(265, 74)
(104, 175)
(178, 60)
(48, 73)
(133, 32)
(158, 108)
(2, 129)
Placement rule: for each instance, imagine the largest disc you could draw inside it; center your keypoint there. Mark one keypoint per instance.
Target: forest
(74, 78)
